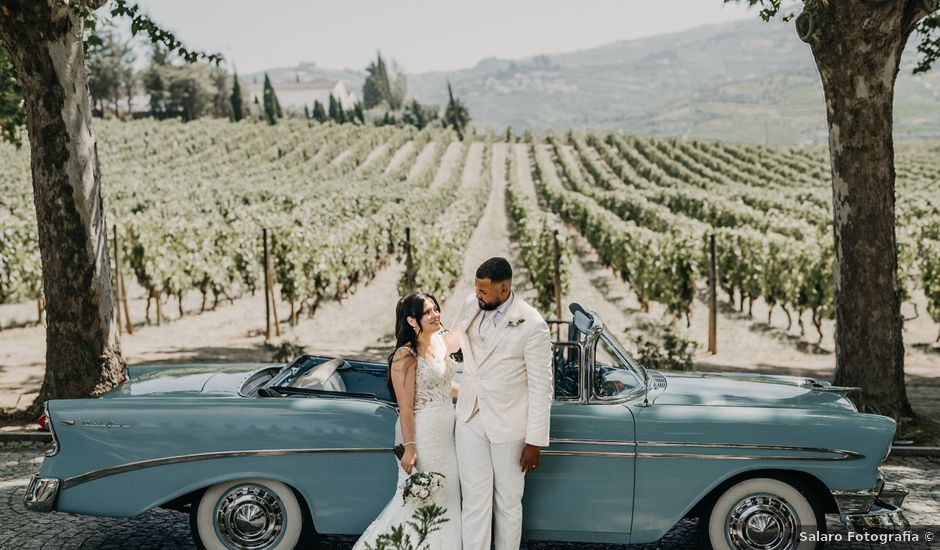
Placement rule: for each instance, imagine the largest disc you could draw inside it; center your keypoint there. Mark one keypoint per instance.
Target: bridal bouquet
(421, 485)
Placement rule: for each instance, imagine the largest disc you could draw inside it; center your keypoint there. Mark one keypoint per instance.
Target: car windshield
(283, 376)
(616, 374)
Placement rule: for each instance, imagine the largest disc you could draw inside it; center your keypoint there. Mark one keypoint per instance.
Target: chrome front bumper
(875, 511)
(41, 494)
(882, 518)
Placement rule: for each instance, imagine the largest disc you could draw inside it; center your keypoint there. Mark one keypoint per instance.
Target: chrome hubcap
(250, 517)
(762, 523)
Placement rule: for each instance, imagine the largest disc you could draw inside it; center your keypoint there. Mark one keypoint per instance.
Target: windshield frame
(625, 358)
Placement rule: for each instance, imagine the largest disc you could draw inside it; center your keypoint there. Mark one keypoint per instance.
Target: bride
(421, 376)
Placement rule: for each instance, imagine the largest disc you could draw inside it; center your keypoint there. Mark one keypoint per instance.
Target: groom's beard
(487, 306)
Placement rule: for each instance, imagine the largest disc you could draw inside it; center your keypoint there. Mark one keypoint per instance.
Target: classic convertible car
(266, 457)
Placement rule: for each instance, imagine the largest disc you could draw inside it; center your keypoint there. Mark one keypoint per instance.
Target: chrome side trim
(588, 453)
(842, 454)
(591, 442)
(733, 457)
(738, 457)
(153, 463)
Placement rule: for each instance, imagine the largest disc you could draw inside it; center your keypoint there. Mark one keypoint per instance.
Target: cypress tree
(335, 109)
(270, 99)
(319, 113)
(456, 115)
(306, 112)
(359, 113)
(238, 104)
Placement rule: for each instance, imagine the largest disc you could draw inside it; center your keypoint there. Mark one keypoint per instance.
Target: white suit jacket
(510, 380)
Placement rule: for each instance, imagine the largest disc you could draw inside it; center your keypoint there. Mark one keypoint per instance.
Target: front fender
(684, 452)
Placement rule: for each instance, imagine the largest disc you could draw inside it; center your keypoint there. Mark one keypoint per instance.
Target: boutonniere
(515, 322)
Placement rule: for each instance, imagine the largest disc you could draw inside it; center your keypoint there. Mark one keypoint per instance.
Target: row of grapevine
(442, 228)
(754, 262)
(537, 234)
(663, 185)
(659, 267)
(190, 201)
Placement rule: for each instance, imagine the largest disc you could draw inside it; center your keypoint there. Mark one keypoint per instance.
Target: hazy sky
(422, 35)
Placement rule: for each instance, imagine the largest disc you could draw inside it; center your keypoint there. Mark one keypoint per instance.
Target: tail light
(43, 422)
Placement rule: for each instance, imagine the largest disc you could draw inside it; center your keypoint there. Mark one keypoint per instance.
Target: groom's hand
(530, 458)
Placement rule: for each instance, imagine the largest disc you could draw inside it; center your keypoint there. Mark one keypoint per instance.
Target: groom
(503, 407)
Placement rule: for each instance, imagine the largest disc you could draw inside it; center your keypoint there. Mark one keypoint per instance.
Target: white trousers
(492, 485)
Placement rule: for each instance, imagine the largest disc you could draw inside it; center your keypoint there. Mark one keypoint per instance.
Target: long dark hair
(406, 336)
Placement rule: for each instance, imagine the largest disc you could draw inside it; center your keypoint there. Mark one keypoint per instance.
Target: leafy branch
(425, 520)
(141, 22)
(929, 47)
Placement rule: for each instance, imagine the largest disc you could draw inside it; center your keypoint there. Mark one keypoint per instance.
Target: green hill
(745, 81)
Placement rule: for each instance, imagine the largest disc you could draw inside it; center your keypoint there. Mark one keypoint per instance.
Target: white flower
(421, 485)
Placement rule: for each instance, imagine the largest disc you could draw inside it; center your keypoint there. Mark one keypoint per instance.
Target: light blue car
(269, 457)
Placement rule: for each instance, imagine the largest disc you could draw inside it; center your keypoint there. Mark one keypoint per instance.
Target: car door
(583, 488)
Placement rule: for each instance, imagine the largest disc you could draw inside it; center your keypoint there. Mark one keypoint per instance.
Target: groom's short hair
(495, 269)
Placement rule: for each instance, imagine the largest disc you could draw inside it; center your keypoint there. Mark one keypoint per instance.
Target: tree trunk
(789, 318)
(83, 353)
(40, 309)
(857, 46)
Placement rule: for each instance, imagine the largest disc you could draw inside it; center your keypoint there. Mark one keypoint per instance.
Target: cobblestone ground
(161, 529)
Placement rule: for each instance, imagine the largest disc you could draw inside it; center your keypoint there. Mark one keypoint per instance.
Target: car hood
(751, 390)
(218, 380)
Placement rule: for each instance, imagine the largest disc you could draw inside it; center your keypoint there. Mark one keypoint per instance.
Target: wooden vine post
(712, 297)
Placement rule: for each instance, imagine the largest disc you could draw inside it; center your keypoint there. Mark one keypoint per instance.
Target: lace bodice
(433, 381)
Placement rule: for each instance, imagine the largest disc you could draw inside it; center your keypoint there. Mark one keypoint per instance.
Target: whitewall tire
(765, 514)
(248, 514)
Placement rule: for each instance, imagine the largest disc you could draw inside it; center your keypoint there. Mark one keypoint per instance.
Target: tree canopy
(383, 84)
(927, 29)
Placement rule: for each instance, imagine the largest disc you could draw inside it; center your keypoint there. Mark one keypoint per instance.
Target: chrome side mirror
(582, 319)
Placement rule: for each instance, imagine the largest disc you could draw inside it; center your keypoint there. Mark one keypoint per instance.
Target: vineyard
(189, 202)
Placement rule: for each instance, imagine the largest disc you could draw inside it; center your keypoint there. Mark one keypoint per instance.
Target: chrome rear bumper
(41, 494)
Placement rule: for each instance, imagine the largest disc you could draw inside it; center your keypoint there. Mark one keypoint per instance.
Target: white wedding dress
(434, 440)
